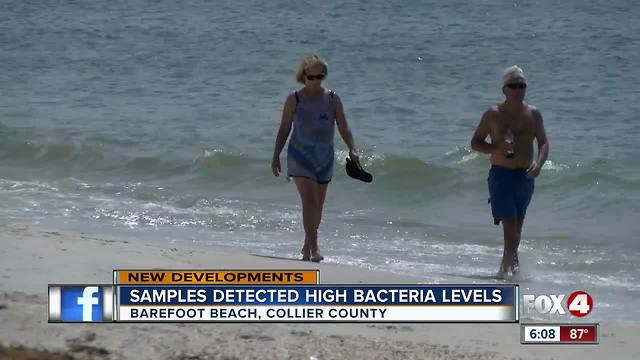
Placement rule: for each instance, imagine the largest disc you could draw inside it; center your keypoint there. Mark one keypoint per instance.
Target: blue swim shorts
(510, 192)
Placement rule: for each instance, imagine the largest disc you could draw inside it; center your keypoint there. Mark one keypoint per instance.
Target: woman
(313, 111)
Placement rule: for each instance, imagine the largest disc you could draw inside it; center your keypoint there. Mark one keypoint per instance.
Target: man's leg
(503, 208)
(524, 194)
(520, 223)
(515, 264)
(510, 230)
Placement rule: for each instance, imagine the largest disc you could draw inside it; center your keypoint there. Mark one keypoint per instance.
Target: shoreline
(33, 258)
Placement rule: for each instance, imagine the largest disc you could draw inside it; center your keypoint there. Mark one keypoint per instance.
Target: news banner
(287, 296)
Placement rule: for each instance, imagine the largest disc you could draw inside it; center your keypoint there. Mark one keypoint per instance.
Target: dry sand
(31, 258)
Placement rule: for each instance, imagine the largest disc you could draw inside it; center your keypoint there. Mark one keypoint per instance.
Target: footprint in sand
(256, 337)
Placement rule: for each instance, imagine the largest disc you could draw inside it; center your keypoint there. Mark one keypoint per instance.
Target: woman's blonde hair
(309, 61)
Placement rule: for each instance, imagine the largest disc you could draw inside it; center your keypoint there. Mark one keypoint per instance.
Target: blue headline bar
(317, 295)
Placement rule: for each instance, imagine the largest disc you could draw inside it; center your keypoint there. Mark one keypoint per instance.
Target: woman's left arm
(343, 128)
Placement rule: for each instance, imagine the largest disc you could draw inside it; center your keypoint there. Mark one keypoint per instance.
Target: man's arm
(478, 141)
(541, 137)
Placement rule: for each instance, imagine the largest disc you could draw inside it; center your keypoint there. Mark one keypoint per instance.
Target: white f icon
(87, 301)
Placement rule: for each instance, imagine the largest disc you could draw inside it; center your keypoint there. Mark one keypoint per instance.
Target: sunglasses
(516, 86)
(313, 77)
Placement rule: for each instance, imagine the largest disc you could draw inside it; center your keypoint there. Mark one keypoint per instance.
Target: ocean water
(156, 120)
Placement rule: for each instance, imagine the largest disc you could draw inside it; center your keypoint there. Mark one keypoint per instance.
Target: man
(512, 127)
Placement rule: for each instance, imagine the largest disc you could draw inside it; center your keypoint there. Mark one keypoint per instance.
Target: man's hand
(498, 148)
(275, 166)
(533, 171)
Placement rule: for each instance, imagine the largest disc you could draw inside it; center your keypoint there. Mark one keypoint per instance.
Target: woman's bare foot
(315, 256)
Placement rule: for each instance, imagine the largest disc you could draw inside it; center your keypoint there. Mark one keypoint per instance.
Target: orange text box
(216, 277)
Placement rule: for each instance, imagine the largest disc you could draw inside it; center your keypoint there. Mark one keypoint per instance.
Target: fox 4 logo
(579, 304)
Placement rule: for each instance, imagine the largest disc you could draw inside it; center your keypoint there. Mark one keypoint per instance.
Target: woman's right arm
(283, 132)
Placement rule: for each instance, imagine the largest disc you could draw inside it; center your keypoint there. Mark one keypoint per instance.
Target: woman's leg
(321, 195)
(308, 191)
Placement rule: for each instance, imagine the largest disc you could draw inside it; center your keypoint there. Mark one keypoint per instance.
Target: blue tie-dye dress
(310, 151)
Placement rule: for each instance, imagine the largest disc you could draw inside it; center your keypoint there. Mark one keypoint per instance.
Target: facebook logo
(80, 303)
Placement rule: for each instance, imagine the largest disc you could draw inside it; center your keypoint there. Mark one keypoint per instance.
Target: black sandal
(356, 171)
